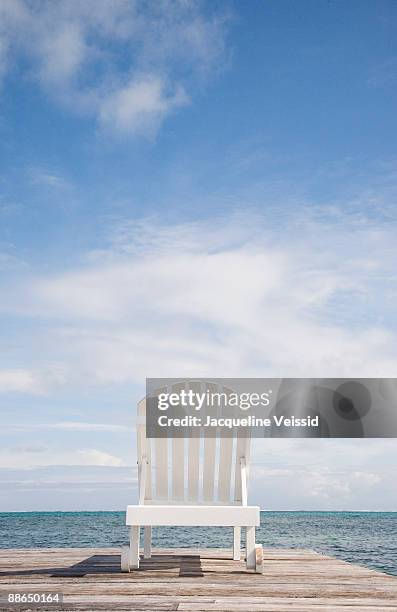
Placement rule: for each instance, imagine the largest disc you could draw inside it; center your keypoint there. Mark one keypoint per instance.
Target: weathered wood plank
(198, 580)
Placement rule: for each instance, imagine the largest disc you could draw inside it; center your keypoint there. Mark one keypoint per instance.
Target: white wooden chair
(200, 495)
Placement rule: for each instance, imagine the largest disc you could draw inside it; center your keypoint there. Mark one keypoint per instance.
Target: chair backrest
(197, 470)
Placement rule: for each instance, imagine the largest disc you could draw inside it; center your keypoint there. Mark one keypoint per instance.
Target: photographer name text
(249, 421)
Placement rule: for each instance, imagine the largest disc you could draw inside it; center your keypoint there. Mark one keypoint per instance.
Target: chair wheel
(259, 558)
(125, 559)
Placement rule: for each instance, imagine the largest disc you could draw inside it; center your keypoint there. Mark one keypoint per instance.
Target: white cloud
(81, 426)
(140, 106)
(328, 474)
(46, 177)
(26, 458)
(224, 297)
(69, 487)
(128, 64)
(22, 381)
(285, 474)
(32, 381)
(91, 456)
(69, 426)
(360, 454)
(321, 487)
(62, 52)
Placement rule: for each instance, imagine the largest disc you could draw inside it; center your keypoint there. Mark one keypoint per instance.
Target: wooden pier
(176, 579)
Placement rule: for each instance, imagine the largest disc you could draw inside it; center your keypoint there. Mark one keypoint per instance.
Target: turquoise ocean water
(366, 538)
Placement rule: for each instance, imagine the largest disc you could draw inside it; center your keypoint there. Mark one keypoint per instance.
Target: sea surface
(365, 538)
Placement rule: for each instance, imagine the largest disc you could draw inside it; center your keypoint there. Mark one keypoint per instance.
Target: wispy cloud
(70, 426)
(140, 106)
(332, 474)
(384, 73)
(225, 296)
(20, 380)
(89, 487)
(34, 381)
(285, 475)
(47, 178)
(9, 262)
(27, 457)
(129, 64)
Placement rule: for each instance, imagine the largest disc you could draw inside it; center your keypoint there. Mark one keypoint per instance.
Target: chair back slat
(178, 458)
(193, 475)
(209, 459)
(225, 469)
(178, 469)
(194, 447)
(209, 469)
(161, 447)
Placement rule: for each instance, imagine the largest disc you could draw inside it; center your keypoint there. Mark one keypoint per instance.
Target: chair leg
(250, 547)
(259, 558)
(236, 543)
(125, 559)
(147, 542)
(134, 546)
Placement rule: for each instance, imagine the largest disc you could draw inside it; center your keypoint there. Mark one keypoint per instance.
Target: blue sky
(203, 189)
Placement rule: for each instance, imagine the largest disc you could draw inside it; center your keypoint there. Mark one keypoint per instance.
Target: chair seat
(216, 516)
